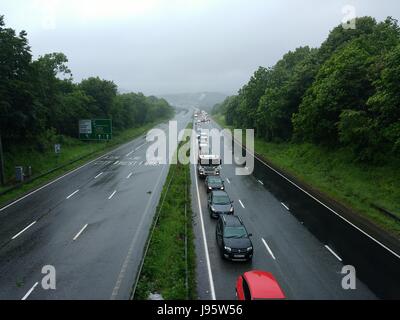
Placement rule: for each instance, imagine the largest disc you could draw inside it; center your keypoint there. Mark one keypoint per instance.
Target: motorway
(91, 225)
(306, 266)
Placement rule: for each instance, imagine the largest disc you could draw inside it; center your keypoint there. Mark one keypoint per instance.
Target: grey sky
(173, 46)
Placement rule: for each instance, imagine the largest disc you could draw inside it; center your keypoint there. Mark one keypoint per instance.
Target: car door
(210, 199)
(219, 233)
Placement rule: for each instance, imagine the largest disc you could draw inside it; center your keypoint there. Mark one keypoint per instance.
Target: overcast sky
(174, 46)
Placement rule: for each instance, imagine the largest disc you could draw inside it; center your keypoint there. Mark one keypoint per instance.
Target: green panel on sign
(95, 129)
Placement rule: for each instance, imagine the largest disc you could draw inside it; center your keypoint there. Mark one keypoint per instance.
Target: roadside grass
(72, 150)
(334, 173)
(165, 267)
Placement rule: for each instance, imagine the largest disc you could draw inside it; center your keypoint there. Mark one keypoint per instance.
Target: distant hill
(201, 100)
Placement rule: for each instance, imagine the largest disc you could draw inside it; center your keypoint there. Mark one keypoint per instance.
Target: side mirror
(232, 202)
(250, 234)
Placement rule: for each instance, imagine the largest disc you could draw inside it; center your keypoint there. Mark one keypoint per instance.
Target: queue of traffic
(232, 236)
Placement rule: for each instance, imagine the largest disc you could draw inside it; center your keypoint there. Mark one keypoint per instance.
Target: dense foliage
(39, 97)
(344, 94)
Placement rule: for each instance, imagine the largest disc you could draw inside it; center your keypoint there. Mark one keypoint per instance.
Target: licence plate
(239, 255)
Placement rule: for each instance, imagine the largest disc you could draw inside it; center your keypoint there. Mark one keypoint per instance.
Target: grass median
(169, 265)
(333, 172)
(74, 153)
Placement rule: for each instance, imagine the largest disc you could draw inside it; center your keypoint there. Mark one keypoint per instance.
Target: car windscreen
(221, 199)
(214, 180)
(235, 232)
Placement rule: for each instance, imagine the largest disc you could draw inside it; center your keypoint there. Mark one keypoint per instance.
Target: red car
(258, 285)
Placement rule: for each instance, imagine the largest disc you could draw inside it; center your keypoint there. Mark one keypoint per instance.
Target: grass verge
(168, 268)
(334, 173)
(72, 149)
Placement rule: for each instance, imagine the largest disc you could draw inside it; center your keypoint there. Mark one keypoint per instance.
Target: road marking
(130, 153)
(228, 180)
(129, 175)
(140, 146)
(210, 276)
(241, 203)
(133, 245)
(260, 182)
(72, 194)
(30, 291)
(285, 206)
(65, 175)
(116, 162)
(21, 232)
(141, 162)
(268, 248)
(112, 195)
(80, 232)
(98, 175)
(333, 252)
(320, 202)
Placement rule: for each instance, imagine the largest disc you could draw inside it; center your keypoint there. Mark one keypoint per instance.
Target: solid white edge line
(285, 206)
(112, 195)
(65, 175)
(22, 231)
(30, 291)
(268, 248)
(333, 252)
(203, 231)
(72, 194)
(98, 175)
(80, 232)
(321, 203)
(241, 203)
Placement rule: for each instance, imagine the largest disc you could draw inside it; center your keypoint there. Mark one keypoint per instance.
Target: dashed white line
(116, 162)
(112, 195)
(285, 206)
(228, 180)
(30, 291)
(72, 194)
(98, 175)
(333, 252)
(129, 175)
(80, 232)
(241, 203)
(203, 231)
(268, 248)
(141, 162)
(260, 182)
(22, 231)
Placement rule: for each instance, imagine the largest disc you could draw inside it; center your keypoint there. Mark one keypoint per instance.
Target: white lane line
(112, 195)
(285, 206)
(22, 231)
(268, 248)
(320, 202)
(72, 194)
(333, 252)
(241, 203)
(133, 245)
(80, 232)
(65, 175)
(141, 162)
(203, 231)
(140, 146)
(30, 291)
(98, 175)
(116, 162)
(228, 180)
(130, 153)
(129, 175)
(260, 182)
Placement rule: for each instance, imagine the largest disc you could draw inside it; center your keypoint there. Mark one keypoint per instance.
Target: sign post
(95, 129)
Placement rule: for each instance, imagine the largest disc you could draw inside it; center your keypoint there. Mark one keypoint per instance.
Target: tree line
(346, 93)
(39, 96)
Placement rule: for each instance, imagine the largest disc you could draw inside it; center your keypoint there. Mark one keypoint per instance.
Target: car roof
(214, 177)
(263, 285)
